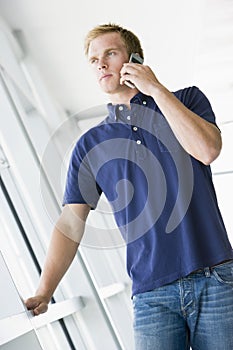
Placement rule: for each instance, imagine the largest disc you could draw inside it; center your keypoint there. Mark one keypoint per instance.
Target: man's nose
(102, 64)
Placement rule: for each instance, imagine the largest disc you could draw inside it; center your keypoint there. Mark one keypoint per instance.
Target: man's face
(106, 55)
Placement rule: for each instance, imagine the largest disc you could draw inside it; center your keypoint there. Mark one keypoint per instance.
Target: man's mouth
(105, 76)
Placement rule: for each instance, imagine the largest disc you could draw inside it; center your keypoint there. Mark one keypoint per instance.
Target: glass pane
(26, 341)
(10, 302)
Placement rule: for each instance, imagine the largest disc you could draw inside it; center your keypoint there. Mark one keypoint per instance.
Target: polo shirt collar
(119, 110)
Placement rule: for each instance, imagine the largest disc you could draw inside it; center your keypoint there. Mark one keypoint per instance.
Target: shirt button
(139, 142)
(121, 108)
(144, 102)
(128, 117)
(135, 128)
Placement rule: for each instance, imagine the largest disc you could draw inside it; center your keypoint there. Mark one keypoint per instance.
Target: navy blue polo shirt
(163, 199)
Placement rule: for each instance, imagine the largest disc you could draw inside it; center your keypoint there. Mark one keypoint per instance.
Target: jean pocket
(145, 300)
(224, 273)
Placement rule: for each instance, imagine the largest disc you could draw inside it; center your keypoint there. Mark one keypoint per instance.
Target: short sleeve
(194, 99)
(81, 186)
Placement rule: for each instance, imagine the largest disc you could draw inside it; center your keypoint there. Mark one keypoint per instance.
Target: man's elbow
(212, 152)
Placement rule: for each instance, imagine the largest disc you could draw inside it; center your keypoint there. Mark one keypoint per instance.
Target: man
(151, 158)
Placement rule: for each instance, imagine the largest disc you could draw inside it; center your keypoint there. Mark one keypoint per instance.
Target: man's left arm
(200, 138)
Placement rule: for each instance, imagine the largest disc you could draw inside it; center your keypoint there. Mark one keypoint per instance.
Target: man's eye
(111, 53)
(94, 60)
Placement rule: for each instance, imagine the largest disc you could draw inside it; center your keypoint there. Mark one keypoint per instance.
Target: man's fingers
(37, 305)
(43, 307)
(31, 303)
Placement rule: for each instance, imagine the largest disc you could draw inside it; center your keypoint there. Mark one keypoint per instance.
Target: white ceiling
(185, 42)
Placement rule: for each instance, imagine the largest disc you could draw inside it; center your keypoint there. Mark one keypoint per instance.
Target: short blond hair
(130, 40)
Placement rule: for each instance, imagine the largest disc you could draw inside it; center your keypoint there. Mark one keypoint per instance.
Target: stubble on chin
(111, 88)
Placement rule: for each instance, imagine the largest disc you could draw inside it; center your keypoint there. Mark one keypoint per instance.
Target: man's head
(108, 47)
(131, 41)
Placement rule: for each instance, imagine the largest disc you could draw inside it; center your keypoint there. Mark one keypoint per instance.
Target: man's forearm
(198, 137)
(64, 243)
(59, 257)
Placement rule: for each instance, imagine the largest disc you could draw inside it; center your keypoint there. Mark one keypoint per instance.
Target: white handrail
(57, 311)
(17, 325)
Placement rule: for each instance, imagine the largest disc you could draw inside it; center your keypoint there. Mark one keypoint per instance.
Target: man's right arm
(64, 243)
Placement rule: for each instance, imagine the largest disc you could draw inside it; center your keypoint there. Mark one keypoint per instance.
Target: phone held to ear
(135, 58)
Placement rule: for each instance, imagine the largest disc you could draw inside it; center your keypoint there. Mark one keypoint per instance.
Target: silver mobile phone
(135, 58)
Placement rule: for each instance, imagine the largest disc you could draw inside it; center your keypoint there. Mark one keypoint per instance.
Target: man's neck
(123, 97)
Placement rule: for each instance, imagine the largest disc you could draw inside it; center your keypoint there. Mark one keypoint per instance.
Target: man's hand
(141, 76)
(38, 304)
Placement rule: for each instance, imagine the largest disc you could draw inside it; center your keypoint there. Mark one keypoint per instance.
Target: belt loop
(207, 271)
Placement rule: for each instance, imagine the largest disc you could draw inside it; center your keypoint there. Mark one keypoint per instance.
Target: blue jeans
(195, 311)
